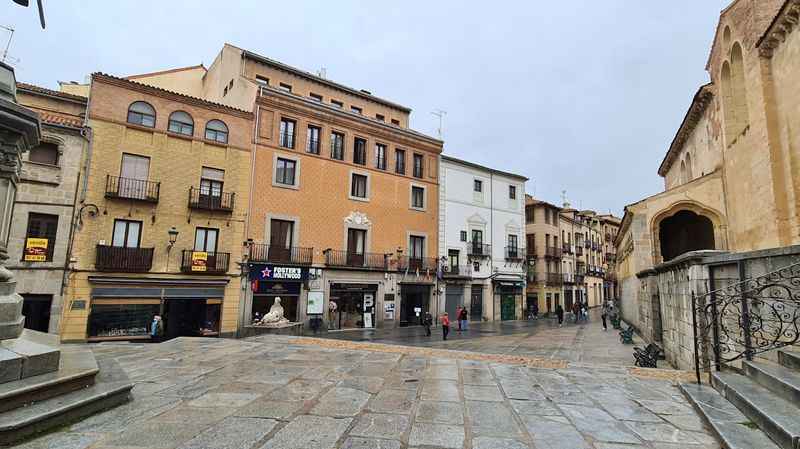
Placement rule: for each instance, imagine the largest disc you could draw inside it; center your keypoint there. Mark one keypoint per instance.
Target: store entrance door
(36, 309)
(355, 306)
(476, 305)
(413, 304)
(507, 306)
(190, 318)
(453, 298)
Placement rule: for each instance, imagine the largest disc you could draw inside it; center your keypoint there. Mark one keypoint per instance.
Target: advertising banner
(199, 261)
(36, 250)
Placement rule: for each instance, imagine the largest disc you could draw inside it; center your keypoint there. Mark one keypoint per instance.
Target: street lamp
(173, 237)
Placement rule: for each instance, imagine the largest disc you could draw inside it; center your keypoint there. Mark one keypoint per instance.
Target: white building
(481, 240)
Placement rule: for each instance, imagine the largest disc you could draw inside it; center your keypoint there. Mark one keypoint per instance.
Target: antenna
(322, 72)
(8, 44)
(439, 113)
(564, 196)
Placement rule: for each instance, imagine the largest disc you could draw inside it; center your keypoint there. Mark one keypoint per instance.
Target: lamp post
(173, 237)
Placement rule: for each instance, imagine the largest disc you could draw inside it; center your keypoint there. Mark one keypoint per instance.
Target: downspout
(245, 273)
(491, 236)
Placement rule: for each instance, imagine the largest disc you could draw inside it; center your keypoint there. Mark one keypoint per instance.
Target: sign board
(316, 300)
(388, 297)
(36, 250)
(369, 301)
(367, 320)
(199, 261)
(388, 311)
(417, 310)
(272, 272)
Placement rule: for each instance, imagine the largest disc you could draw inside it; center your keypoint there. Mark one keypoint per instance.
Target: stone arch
(686, 226)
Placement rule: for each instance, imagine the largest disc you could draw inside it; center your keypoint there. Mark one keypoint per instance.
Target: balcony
(296, 255)
(553, 251)
(595, 246)
(554, 279)
(514, 253)
(479, 250)
(579, 278)
(587, 244)
(367, 261)
(200, 262)
(578, 250)
(132, 189)
(569, 278)
(124, 260)
(566, 248)
(457, 270)
(221, 201)
(531, 252)
(417, 263)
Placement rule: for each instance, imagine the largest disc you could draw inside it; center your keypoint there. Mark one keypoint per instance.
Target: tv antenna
(439, 113)
(8, 45)
(322, 72)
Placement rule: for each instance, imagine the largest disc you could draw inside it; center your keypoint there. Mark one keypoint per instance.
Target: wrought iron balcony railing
(417, 263)
(578, 250)
(260, 252)
(566, 248)
(554, 279)
(207, 200)
(457, 270)
(475, 249)
(514, 253)
(553, 251)
(132, 189)
(579, 278)
(531, 251)
(346, 259)
(201, 262)
(124, 260)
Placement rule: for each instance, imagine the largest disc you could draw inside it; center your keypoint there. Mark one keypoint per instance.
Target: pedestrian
(560, 314)
(156, 329)
(536, 310)
(463, 318)
(458, 317)
(603, 315)
(445, 326)
(584, 312)
(576, 310)
(427, 321)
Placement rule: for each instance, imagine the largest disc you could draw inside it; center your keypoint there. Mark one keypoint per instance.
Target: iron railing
(457, 270)
(566, 248)
(579, 278)
(747, 318)
(553, 251)
(475, 249)
(206, 200)
(132, 189)
(578, 250)
(260, 252)
(370, 261)
(554, 279)
(201, 262)
(514, 253)
(569, 278)
(417, 263)
(121, 259)
(531, 251)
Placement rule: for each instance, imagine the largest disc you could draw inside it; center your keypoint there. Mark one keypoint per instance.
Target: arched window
(734, 94)
(217, 131)
(683, 172)
(141, 113)
(181, 122)
(689, 175)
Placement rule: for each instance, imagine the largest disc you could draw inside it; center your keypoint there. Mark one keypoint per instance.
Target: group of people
(462, 317)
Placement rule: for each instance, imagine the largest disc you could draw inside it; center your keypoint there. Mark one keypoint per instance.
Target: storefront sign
(36, 250)
(388, 311)
(369, 301)
(367, 320)
(316, 300)
(271, 272)
(199, 261)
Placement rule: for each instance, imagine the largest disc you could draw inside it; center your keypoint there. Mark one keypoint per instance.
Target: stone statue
(275, 315)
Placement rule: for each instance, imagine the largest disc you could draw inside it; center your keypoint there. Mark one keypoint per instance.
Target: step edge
(765, 371)
(51, 383)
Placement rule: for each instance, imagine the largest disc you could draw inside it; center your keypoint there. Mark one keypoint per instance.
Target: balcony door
(356, 243)
(205, 240)
(477, 242)
(134, 173)
(211, 180)
(513, 248)
(127, 234)
(452, 258)
(416, 252)
(281, 235)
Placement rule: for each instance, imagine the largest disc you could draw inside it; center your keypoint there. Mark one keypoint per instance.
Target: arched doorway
(683, 232)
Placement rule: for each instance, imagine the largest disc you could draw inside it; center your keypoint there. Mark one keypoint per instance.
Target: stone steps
(755, 407)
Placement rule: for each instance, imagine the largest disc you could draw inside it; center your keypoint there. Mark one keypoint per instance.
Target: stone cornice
(699, 104)
(783, 24)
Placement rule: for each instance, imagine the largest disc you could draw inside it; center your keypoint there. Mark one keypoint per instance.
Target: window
(530, 240)
(44, 153)
(211, 180)
(312, 139)
(400, 161)
(315, 97)
(132, 170)
(337, 146)
(281, 233)
(512, 192)
(356, 110)
(287, 133)
(452, 258)
(380, 118)
(217, 131)
(359, 151)
(358, 186)
(127, 233)
(530, 212)
(205, 239)
(285, 171)
(141, 113)
(181, 123)
(513, 248)
(262, 80)
(395, 122)
(417, 197)
(380, 156)
(40, 226)
(285, 87)
(463, 236)
(418, 166)
(416, 247)
(477, 237)
(337, 104)
(477, 185)
(356, 241)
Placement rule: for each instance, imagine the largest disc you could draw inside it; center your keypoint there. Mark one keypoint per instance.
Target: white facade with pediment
(476, 203)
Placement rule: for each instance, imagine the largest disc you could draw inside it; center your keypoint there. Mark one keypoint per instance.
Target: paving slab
(393, 401)
(279, 410)
(440, 412)
(598, 424)
(437, 435)
(341, 402)
(309, 432)
(224, 400)
(232, 433)
(440, 390)
(369, 443)
(377, 425)
(497, 443)
(483, 393)
(491, 418)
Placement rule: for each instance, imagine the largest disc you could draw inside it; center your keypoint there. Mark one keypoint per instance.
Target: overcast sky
(583, 95)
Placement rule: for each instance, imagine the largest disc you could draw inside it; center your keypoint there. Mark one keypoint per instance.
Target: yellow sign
(36, 250)
(199, 261)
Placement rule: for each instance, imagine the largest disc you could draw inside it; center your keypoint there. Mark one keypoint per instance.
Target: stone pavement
(276, 392)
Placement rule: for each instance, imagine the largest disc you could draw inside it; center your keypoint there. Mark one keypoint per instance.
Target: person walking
(445, 326)
(463, 318)
(536, 310)
(576, 310)
(458, 317)
(604, 315)
(560, 314)
(156, 329)
(427, 321)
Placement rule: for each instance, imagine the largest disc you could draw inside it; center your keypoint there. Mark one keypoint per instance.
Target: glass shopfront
(414, 302)
(352, 306)
(270, 281)
(122, 319)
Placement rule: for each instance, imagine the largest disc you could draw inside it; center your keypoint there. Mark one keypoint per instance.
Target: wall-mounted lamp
(173, 237)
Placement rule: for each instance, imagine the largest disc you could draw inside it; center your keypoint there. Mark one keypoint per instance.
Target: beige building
(544, 250)
(732, 172)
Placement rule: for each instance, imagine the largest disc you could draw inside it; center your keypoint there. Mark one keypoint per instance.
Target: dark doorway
(454, 297)
(190, 318)
(568, 299)
(683, 232)
(476, 303)
(414, 304)
(507, 307)
(36, 309)
(532, 304)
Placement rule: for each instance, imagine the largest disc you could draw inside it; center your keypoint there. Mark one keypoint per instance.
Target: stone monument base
(290, 328)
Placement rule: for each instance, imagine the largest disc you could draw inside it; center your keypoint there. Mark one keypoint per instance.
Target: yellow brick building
(163, 204)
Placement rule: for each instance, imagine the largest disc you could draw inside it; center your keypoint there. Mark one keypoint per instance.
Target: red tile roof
(60, 119)
(50, 92)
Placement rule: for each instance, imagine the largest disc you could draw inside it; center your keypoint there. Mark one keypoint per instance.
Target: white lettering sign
(287, 273)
